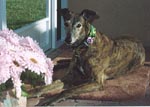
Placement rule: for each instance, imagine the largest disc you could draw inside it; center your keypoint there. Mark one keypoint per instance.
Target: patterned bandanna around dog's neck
(91, 35)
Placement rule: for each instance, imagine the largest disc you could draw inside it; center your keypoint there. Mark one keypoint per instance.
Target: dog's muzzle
(68, 39)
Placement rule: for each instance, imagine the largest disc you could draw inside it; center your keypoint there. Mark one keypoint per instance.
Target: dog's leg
(100, 78)
(68, 75)
(71, 73)
(74, 91)
(97, 84)
(62, 64)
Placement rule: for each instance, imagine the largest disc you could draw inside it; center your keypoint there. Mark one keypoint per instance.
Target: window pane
(22, 12)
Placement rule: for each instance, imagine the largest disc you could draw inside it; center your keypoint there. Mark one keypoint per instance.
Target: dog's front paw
(52, 100)
(101, 87)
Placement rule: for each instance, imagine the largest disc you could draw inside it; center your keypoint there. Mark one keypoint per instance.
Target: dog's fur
(103, 59)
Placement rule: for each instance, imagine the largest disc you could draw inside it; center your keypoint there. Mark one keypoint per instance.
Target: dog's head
(77, 25)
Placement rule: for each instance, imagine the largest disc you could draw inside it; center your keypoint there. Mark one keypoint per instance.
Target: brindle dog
(96, 57)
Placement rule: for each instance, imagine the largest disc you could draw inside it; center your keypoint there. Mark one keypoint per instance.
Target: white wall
(119, 17)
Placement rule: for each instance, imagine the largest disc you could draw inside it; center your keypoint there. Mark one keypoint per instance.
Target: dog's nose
(68, 39)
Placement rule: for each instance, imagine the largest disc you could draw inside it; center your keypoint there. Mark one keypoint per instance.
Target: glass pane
(22, 12)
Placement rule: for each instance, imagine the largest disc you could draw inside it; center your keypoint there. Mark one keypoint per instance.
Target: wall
(119, 17)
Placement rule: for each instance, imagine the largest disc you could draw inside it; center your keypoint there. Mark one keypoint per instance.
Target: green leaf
(25, 94)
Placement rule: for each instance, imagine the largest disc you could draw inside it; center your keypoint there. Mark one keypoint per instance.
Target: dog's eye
(66, 24)
(78, 26)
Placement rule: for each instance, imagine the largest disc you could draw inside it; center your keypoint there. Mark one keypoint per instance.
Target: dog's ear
(89, 15)
(66, 13)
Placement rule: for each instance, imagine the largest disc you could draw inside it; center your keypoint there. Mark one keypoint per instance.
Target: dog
(96, 57)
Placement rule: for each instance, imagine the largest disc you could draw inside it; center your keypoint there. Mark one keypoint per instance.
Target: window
(22, 12)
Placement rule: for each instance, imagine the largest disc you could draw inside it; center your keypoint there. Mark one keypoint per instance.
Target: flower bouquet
(19, 54)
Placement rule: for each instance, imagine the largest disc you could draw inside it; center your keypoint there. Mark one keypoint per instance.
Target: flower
(49, 71)
(50, 64)
(5, 61)
(17, 85)
(90, 40)
(33, 61)
(18, 54)
(31, 45)
(10, 36)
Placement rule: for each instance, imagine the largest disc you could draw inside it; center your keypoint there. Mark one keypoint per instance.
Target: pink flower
(5, 61)
(17, 85)
(18, 54)
(10, 36)
(90, 40)
(34, 62)
(16, 69)
(49, 72)
(50, 64)
(31, 45)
